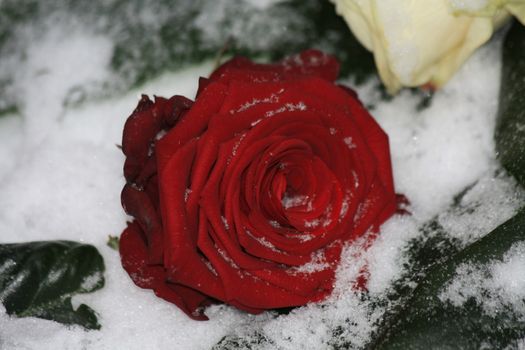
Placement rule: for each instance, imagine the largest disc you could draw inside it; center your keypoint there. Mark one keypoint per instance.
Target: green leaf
(38, 279)
(426, 321)
(510, 128)
(178, 40)
(113, 242)
(184, 33)
(254, 341)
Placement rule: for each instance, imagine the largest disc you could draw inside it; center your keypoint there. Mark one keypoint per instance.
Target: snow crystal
(349, 142)
(262, 4)
(305, 237)
(256, 122)
(316, 264)
(210, 267)
(490, 200)
(387, 256)
(160, 134)
(187, 193)
(294, 201)
(236, 146)
(496, 286)
(312, 223)
(274, 223)
(225, 223)
(91, 281)
(254, 25)
(229, 260)
(344, 206)
(273, 98)
(288, 107)
(55, 274)
(263, 241)
(14, 284)
(7, 266)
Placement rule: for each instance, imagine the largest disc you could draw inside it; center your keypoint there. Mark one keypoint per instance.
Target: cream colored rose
(418, 42)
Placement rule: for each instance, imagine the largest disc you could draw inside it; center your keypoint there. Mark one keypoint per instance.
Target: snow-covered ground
(61, 177)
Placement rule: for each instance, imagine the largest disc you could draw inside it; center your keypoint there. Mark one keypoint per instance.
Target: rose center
(291, 191)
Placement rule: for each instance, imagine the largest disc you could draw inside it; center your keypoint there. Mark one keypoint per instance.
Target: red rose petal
(191, 125)
(183, 263)
(243, 287)
(307, 63)
(133, 252)
(138, 204)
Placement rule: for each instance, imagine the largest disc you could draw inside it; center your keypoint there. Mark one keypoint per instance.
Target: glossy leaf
(179, 40)
(510, 128)
(183, 33)
(38, 279)
(425, 321)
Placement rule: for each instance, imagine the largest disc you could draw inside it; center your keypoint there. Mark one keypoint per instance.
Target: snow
(262, 4)
(349, 142)
(222, 21)
(495, 285)
(316, 263)
(492, 198)
(61, 177)
(448, 146)
(294, 201)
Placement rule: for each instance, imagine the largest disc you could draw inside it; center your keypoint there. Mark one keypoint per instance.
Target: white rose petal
(419, 43)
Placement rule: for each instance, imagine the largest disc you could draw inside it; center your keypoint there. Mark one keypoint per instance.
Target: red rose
(247, 195)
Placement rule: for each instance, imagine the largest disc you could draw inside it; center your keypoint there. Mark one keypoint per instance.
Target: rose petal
(307, 63)
(133, 253)
(138, 204)
(184, 265)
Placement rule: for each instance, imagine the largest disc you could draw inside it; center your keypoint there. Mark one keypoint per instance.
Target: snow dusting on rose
(419, 43)
(248, 194)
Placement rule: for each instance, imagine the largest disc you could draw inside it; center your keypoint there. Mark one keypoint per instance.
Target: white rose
(418, 42)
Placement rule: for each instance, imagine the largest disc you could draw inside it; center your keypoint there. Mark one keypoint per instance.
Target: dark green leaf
(253, 341)
(426, 321)
(9, 110)
(39, 278)
(184, 33)
(178, 40)
(510, 128)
